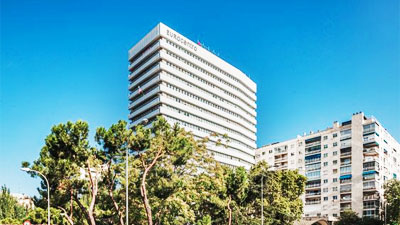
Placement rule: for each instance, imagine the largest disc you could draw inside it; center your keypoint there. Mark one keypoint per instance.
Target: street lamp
(48, 190)
(272, 168)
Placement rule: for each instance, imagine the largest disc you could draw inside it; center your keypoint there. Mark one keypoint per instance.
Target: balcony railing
(369, 187)
(313, 194)
(371, 151)
(343, 190)
(345, 163)
(371, 197)
(313, 160)
(313, 152)
(345, 208)
(313, 185)
(313, 202)
(375, 168)
(281, 159)
(345, 154)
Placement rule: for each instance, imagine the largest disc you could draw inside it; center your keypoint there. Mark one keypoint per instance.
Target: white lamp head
(25, 169)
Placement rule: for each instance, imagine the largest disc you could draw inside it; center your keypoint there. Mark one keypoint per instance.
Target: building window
(270, 151)
(325, 198)
(263, 153)
(325, 163)
(325, 155)
(335, 214)
(334, 189)
(335, 153)
(325, 190)
(334, 144)
(334, 135)
(325, 137)
(325, 181)
(335, 197)
(334, 162)
(334, 180)
(325, 146)
(335, 171)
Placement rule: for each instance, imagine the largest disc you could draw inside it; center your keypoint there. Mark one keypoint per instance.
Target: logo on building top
(181, 40)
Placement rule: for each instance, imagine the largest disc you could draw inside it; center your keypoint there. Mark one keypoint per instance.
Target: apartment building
(172, 76)
(346, 166)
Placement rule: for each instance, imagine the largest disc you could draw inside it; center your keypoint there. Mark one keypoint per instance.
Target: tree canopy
(173, 179)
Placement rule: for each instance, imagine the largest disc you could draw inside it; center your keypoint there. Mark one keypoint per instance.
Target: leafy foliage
(39, 216)
(392, 195)
(10, 210)
(349, 217)
(172, 179)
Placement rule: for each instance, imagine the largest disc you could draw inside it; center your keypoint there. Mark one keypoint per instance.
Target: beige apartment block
(346, 166)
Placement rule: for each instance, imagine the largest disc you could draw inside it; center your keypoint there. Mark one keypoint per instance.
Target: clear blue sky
(314, 62)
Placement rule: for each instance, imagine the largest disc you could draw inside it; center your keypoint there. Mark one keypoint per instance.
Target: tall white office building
(346, 166)
(172, 76)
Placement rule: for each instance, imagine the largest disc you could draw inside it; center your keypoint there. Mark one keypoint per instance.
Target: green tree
(10, 210)
(39, 216)
(282, 190)
(349, 217)
(114, 145)
(392, 195)
(371, 221)
(237, 190)
(73, 169)
(169, 163)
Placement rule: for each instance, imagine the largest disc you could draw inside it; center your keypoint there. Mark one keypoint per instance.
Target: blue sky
(314, 62)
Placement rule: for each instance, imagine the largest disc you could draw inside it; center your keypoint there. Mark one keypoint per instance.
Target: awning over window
(348, 176)
(369, 172)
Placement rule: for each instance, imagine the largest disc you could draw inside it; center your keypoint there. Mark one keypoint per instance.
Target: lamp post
(48, 190)
(272, 168)
(145, 121)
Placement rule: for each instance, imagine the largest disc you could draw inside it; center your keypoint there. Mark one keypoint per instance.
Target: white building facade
(172, 76)
(346, 166)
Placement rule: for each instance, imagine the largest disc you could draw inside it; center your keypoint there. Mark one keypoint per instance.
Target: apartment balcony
(312, 160)
(369, 178)
(345, 181)
(369, 188)
(346, 152)
(282, 167)
(313, 152)
(370, 140)
(313, 202)
(344, 200)
(313, 186)
(313, 178)
(280, 159)
(370, 158)
(346, 163)
(345, 188)
(371, 197)
(316, 143)
(308, 195)
(371, 205)
(343, 208)
(345, 137)
(279, 152)
(370, 152)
